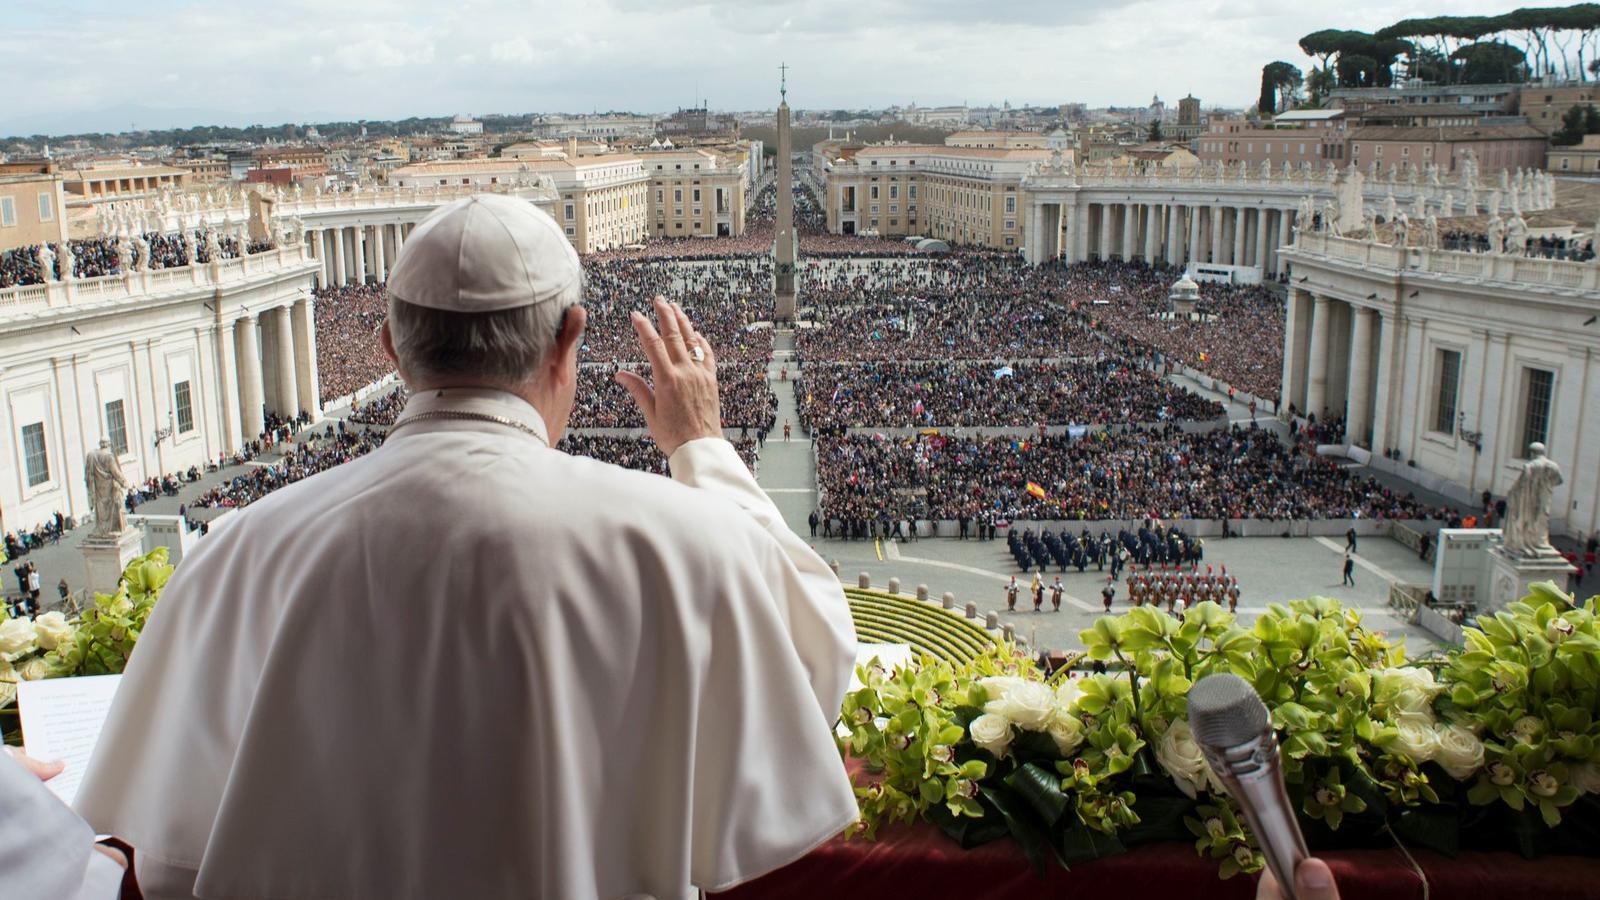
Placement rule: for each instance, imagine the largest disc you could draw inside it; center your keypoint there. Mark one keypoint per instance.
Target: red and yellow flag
(1034, 489)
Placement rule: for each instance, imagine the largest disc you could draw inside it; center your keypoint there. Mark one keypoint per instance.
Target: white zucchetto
(485, 253)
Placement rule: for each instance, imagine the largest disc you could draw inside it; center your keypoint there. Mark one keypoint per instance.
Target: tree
(1318, 85)
(1573, 127)
(1591, 120)
(1489, 62)
(1279, 81)
(1155, 131)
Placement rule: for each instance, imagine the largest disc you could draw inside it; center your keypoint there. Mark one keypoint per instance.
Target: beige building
(695, 192)
(1497, 147)
(601, 201)
(1543, 107)
(1312, 137)
(33, 205)
(208, 170)
(997, 140)
(1583, 158)
(1152, 158)
(963, 195)
(121, 179)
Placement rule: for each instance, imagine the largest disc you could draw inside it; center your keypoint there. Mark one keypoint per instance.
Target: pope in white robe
(469, 665)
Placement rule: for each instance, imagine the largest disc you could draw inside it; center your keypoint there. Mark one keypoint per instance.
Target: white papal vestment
(468, 666)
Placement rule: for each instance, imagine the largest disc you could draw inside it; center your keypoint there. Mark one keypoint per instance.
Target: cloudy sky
(90, 65)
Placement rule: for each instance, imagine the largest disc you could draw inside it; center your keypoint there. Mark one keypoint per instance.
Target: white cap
(485, 253)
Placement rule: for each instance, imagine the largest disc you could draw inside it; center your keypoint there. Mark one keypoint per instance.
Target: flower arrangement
(1497, 738)
(98, 642)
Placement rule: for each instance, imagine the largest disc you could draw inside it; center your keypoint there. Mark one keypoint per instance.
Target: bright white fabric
(470, 666)
(46, 851)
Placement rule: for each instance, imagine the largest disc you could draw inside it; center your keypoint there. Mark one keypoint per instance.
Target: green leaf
(1042, 790)
(1080, 843)
(1024, 826)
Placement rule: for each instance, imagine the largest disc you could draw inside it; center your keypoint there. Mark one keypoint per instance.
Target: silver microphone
(1234, 731)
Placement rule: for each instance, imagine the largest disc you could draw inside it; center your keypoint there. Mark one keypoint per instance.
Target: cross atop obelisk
(783, 249)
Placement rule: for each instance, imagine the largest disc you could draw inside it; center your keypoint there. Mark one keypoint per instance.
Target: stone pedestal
(1510, 575)
(105, 557)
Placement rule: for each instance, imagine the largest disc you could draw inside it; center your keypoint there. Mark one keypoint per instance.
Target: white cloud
(515, 52)
(377, 53)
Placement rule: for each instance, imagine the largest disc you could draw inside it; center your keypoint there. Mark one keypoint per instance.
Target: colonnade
(356, 254)
(1181, 233)
(1337, 362)
(269, 365)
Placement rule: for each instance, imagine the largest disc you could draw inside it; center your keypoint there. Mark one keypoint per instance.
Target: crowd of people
(1572, 249)
(1133, 472)
(381, 410)
(724, 299)
(317, 452)
(349, 353)
(20, 543)
(836, 396)
(97, 257)
(637, 453)
(747, 399)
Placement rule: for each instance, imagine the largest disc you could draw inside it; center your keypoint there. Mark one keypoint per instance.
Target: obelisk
(784, 240)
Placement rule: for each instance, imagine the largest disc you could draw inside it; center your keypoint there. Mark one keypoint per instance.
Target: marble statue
(1495, 231)
(1419, 205)
(108, 488)
(1390, 207)
(47, 262)
(143, 247)
(1370, 222)
(213, 249)
(1526, 530)
(1402, 230)
(189, 255)
(1516, 236)
(1505, 180)
(124, 256)
(1469, 169)
(1266, 170)
(1308, 212)
(1433, 176)
(1330, 218)
(1495, 199)
(1412, 178)
(1448, 204)
(1472, 200)
(68, 261)
(1430, 232)
(1394, 174)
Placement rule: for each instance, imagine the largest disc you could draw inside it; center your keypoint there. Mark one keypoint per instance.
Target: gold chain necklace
(461, 414)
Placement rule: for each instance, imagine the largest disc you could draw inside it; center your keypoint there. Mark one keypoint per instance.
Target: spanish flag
(1204, 356)
(1034, 489)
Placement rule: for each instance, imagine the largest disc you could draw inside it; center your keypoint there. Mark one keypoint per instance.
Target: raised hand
(683, 405)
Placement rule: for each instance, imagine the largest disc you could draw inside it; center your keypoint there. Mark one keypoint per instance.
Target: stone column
(1174, 254)
(362, 249)
(1130, 229)
(1285, 235)
(1358, 402)
(283, 368)
(319, 278)
(1107, 223)
(1216, 234)
(380, 268)
(1260, 260)
(228, 370)
(307, 385)
(340, 278)
(1317, 358)
(250, 388)
(1191, 253)
(1152, 233)
(1031, 243)
(1240, 232)
(1384, 394)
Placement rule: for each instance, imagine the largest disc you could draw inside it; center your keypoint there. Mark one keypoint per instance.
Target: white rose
(1066, 730)
(1067, 694)
(1026, 703)
(52, 629)
(996, 686)
(1178, 753)
(1586, 776)
(991, 732)
(1416, 740)
(16, 636)
(1406, 690)
(1460, 752)
(34, 669)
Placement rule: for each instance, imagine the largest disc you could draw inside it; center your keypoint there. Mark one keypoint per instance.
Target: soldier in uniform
(1055, 595)
(1107, 594)
(1011, 594)
(1038, 591)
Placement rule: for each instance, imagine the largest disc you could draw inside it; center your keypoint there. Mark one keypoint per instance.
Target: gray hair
(504, 347)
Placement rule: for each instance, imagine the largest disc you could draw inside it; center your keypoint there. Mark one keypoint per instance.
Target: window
(8, 211)
(46, 208)
(569, 211)
(894, 192)
(913, 192)
(1011, 205)
(1011, 224)
(660, 196)
(1448, 365)
(183, 407)
(697, 195)
(677, 196)
(1563, 163)
(116, 427)
(874, 194)
(1536, 407)
(874, 207)
(33, 454)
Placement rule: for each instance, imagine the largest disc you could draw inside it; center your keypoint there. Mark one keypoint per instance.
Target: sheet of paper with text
(61, 719)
